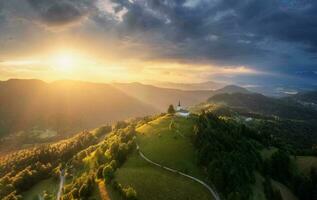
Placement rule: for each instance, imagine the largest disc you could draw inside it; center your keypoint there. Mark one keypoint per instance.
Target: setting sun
(64, 62)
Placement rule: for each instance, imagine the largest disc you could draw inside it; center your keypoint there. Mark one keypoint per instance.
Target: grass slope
(170, 147)
(154, 183)
(305, 163)
(258, 189)
(49, 185)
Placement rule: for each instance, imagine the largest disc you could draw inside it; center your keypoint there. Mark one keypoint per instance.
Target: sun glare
(64, 62)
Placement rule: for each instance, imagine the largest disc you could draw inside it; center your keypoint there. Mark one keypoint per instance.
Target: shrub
(129, 193)
(171, 109)
(108, 173)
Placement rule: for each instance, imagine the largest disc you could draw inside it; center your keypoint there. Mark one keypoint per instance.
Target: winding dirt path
(61, 185)
(213, 193)
(102, 191)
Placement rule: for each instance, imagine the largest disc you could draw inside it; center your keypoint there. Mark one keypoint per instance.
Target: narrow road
(61, 184)
(40, 197)
(102, 190)
(213, 193)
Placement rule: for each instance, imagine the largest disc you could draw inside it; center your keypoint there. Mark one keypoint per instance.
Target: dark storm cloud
(275, 36)
(226, 31)
(61, 12)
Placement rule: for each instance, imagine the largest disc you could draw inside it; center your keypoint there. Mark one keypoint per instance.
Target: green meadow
(165, 140)
(154, 183)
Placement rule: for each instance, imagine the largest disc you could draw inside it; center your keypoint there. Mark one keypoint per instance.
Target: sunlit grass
(154, 183)
(168, 146)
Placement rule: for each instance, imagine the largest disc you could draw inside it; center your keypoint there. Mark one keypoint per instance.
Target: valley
(222, 150)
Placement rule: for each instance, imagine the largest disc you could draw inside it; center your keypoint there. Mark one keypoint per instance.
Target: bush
(129, 193)
(99, 174)
(102, 130)
(171, 109)
(108, 173)
(83, 191)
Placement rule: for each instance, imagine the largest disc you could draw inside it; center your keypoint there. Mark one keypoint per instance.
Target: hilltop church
(180, 111)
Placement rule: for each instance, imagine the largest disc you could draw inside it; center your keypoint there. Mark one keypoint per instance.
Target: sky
(248, 42)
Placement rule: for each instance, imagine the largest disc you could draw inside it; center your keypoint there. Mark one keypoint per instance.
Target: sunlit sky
(247, 41)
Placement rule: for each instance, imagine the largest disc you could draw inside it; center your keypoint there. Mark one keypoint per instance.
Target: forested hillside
(307, 97)
(234, 156)
(258, 103)
(21, 170)
(81, 160)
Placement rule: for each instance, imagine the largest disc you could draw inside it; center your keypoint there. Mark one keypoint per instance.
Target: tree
(83, 191)
(108, 172)
(100, 172)
(130, 193)
(171, 109)
(281, 166)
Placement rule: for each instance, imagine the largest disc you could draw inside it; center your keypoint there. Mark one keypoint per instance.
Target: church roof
(183, 111)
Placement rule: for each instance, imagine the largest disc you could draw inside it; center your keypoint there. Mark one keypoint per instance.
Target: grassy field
(305, 163)
(49, 185)
(258, 190)
(154, 183)
(170, 145)
(165, 140)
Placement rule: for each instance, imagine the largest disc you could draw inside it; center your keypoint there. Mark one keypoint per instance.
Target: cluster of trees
(107, 156)
(21, 170)
(171, 109)
(287, 120)
(299, 135)
(281, 168)
(80, 188)
(127, 193)
(230, 154)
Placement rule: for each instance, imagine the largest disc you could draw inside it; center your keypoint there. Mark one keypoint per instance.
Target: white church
(180, 111)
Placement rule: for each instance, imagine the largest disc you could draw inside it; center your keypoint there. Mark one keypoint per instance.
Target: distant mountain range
(231, 89)
(64, 105)
(208, 85)
(306, 97)
(258, 103)
(161, 98)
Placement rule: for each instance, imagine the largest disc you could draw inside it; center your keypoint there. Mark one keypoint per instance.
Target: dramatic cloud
(61, 12)
(223, 32)
(273, 36)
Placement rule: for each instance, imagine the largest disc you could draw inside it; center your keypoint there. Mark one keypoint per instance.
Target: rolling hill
(170, 147)
(208, 85)
(231, 89)
(258, 103)
(309, 97)
(130, 161)
(161, 98)
(63, 105)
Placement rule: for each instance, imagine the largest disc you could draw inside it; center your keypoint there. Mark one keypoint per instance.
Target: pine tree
(171, 109)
